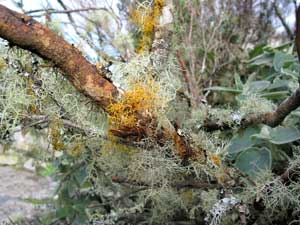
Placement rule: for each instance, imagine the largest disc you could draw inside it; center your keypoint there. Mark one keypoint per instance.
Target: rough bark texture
(23, 31)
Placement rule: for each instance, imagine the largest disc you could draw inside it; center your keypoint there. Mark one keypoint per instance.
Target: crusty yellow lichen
(32, 108)
(55, 134)
(2, 64)
(141, 100)
(110, 147)
(215, 159)
(147, 18)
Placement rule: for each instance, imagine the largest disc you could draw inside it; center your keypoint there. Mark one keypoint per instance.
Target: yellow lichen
(215, 159)
(32, 108)
(142, 99)
(55, 135)
(76, 148)
(2, 64)
(111, 146)
(147, 18)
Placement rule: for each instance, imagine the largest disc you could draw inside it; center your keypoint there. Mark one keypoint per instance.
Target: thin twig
(66, 11)
(178, 185)
(272, 119)
(283, 22)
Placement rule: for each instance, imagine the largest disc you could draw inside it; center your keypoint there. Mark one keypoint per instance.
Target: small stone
(29, 165)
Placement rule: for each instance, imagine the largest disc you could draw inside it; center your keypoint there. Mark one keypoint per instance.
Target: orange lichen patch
(147, 18)
(142, 100)
(182, 147)
(216, 159)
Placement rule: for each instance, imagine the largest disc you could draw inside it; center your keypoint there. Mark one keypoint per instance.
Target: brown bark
(23, 31)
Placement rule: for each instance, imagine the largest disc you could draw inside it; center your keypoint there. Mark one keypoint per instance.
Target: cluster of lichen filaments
(141, 100)
(147, 17)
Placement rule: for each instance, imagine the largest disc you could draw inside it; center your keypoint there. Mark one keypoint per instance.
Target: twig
(283, 22)
(192, 86)
(46, 119)
(178, 185)
(271, 119)
(66, 11)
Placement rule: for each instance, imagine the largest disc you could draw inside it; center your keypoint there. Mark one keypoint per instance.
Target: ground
(19, 190)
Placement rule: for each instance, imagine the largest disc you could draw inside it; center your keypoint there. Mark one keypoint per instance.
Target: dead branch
(191, 82)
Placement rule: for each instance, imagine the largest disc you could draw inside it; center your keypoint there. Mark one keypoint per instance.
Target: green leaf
(264, 59)
(238, 83)
(280, 84)
(257, 86)
(280, 59)
(81, 175)
(274, 94)
(279, 135)
(242, 141)
(283, 135)
(218, 88)
(253, 160)
(48, 170)
(258, 50)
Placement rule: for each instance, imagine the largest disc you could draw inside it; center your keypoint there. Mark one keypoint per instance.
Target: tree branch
(66, 11)
(271, 119)
(179, 185)
(191, 82)
(23, 31)
(283, 22)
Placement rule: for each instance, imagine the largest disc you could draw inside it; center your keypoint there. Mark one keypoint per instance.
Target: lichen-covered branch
(271, 119)
(179, 185)
(23, 31)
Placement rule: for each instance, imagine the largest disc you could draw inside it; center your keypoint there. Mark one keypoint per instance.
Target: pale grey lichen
(220, 209)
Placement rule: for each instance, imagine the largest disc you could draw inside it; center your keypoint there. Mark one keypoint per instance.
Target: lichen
(142, 99)
(255, 105)
(146, 17)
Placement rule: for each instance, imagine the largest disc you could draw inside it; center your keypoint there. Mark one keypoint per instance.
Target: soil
(19, 190)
